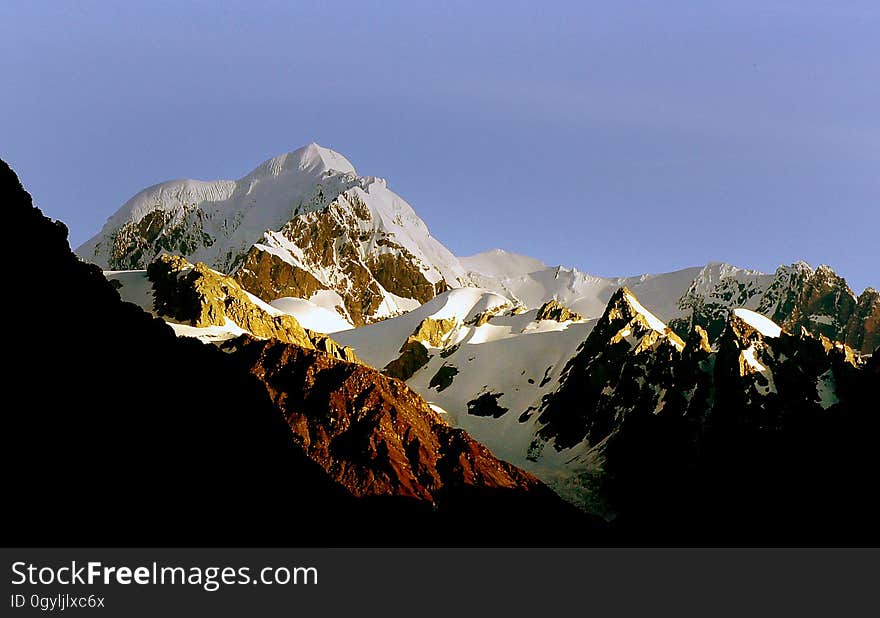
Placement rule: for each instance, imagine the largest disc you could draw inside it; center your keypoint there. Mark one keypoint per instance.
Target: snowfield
(512, 356)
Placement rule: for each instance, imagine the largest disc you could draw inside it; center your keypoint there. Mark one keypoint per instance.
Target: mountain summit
(302, 224)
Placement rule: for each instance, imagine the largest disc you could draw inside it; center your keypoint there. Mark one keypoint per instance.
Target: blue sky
(620, 138)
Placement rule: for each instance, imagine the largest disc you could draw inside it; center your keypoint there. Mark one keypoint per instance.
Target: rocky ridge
(371, 433)
(414, 353)
(794, 296)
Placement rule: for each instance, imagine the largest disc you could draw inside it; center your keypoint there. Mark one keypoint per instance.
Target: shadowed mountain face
(767, 438)
(120, 433)
(123, 434)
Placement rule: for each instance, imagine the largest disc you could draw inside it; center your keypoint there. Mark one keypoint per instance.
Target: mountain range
(710, 404)
(305, 226)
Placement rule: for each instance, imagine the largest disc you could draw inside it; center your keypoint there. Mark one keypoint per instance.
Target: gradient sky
(618, 137)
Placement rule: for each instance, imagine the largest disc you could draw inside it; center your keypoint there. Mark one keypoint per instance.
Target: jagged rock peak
(745, 328)
(554, 310)
(414, 353)
(625, 316)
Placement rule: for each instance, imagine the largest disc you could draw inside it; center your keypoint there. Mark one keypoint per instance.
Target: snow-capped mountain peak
(300, 224)
(312, 159)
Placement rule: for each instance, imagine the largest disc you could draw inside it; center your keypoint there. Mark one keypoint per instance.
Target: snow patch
(749, 355)
(763, 325)
(311, 315)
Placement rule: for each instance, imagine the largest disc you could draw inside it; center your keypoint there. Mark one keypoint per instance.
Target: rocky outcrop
(413, 356)
(487, 405)
(269, 277)
(315, 235)
(326, 344)
(554, 310)
(340, 247)
(414, 352)
(371, 433)
(434, 332)
(781, 296)
(708, 299)
(827, 306)
(201, 297)
(397, 272)
(824, 305)
(862, 331)
(443, 378)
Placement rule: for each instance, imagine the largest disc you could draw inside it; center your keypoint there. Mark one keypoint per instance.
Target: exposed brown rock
(202, 297)
(554, 310)
(827, 306)
(433, 332)
(326, 344)
(622, 321)
(413, 353)
(862, 331)
(699, 340)
(483, 317)
(443, 378)
(267, 276)
(845, 352)
(339, 239)
(397, 272)
(585, 405)
(371, 433)
(413, 356)
(487, 405)
(134, 244)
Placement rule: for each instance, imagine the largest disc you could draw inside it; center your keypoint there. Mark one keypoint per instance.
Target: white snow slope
(512, 354)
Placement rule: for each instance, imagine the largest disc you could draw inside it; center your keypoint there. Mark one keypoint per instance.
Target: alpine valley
(293, 352)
